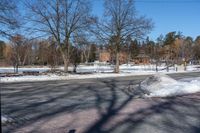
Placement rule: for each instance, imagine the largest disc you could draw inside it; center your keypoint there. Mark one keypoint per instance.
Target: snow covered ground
(67, 77)
(125, 68)
(20, 70)
(161, 85)
(96, 72)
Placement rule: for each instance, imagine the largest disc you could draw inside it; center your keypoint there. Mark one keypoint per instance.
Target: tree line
(171, 47)
(66, 32)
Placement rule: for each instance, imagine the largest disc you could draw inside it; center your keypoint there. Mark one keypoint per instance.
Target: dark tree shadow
(177, 114)
(47, 99)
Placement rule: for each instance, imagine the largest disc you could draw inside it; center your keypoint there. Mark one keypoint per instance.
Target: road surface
(96, 106)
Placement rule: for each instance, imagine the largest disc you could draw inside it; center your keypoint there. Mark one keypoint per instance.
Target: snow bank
(161, 85)
(20, 70)
(69, 76)
(50, 77)
(5, 120)
(29, 78)
(193, 68)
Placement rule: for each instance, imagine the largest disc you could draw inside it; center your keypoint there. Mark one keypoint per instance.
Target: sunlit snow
(161, 85)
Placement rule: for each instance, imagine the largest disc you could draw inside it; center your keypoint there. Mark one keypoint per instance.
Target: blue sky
(167, 15)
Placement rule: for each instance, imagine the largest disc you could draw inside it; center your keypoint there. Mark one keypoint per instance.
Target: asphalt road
(96, 106)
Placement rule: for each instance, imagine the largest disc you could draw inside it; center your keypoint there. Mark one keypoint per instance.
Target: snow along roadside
(160, 85)
(50, 77)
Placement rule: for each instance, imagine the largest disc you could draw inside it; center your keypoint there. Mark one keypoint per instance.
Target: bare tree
(76, 57)
(121, 21)
(83, 43)
(18, 43)
(196, 48)
(187, 48)
(8, 19)
(61, 19)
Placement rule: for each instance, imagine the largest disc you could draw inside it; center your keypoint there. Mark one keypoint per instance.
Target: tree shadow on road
(172, 114)
(119, 112)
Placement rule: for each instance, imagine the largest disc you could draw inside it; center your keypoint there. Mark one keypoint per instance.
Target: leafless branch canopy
(59, 18)
(8, 17)
(121, 19)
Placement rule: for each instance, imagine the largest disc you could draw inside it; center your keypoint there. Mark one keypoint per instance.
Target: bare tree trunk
(24, 61)
(75, 67)
(128, 58)
(156, 65)
(17, 66)
(88, 53)
(117, 63)
(81, 56)
(66, 61)
(18, 60)
(66, 64)
(85, 55)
